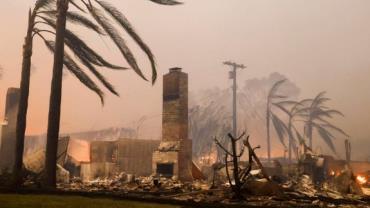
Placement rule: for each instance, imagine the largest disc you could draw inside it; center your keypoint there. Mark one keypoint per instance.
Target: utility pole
(234, 67)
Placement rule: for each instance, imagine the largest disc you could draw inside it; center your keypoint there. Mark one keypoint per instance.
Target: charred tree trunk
(240, 175)
(235, 161)
(55, 97)
(23, 102)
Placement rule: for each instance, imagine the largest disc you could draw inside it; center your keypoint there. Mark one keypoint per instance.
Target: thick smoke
(210, 113)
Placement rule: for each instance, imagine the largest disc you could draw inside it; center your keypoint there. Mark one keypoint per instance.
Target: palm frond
(332, 112)
(166, 2)
(319, 99)
(116, 38)
(294, 110)
(293, 143)
(287, 102)
(319, 113)
(305, 102)
(82, 77)
(79, 46)
(326, 124)
(73, 2)
(301, 107)
(327, 137)
(281, 107)
(100, 77)
(279, 127)
(124, 22)
(298, 135)
(43, 4)
(77, 71)
(75, 18)
(274, 89)
(330, 126)
(279, 96)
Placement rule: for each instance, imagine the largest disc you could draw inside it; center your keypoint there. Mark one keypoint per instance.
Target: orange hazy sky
(318, 44)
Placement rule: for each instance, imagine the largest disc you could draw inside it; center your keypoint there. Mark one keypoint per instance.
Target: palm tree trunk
(309, 134)
(268, 132)
(290, 146)
(23, 102)
(55, 97)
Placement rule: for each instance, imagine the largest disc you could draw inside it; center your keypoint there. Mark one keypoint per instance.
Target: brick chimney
(174, 155)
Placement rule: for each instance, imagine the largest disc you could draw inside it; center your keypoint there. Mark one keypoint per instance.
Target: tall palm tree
(100, 16)
(316, 115)
(40, 19)
(279, 126)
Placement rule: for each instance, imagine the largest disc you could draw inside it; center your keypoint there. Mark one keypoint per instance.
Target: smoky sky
(320, 45)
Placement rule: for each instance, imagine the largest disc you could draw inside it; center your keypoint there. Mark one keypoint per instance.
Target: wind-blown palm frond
(79, 46)
(280, 128)
(281, 107)
(86, 55)
(287, 102)
(331, 112)
(124, 22)
(274, 89)
(293, 143)
(319, 99)
(166, 2)
(74, 17)
(76, 44)
(298, 135)
(116, 38)
(77, 71)
(101, 78)
(43, 4)
(73, 2)
(330, 126)
(327, 137)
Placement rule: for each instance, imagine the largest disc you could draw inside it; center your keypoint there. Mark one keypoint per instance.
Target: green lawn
(46, 201)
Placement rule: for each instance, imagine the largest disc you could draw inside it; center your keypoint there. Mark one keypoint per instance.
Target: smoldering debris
(279, 189)
(295, 192)
(260, 187)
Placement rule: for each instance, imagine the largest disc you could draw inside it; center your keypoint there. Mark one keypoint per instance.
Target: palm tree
(279, 125)
(99, 14)
(293, 113)
(43, 14)
(316, 114)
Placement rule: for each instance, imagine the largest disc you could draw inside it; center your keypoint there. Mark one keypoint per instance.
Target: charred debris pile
(307, 183)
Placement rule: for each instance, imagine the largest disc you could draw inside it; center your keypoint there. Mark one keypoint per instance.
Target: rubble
(257, 188)
(263, 187)
(258, 191)
(169, 146)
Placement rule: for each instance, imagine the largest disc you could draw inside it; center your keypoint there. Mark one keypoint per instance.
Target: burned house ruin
(173, 158)
(108, 152)
(101, 159)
